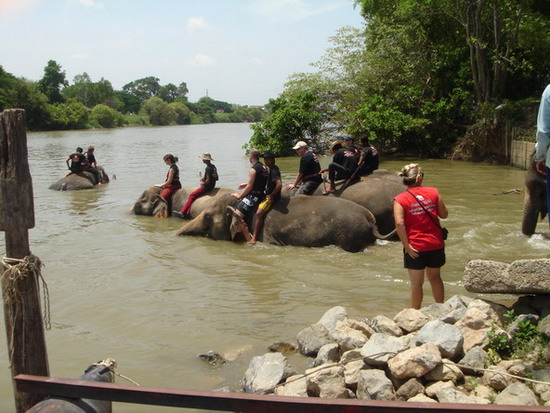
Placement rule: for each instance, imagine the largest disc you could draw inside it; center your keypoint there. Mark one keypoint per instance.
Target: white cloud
(293, 9)
(196, 24)
(90, 3)
(203, 60)
(257, 61)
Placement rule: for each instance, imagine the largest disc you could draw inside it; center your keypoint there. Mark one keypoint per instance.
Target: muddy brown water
(123, 286)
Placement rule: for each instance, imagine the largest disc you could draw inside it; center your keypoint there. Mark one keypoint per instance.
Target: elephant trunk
(389, 236)
(531, 210)
(194, 227)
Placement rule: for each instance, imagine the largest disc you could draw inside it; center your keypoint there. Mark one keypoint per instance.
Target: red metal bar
(243, 402)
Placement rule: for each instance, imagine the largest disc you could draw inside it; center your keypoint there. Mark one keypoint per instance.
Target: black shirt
(274, 176)
(78, 162)
(310, 167)
(371, 160)
(347, 157)
(260, 180)
(210, 174)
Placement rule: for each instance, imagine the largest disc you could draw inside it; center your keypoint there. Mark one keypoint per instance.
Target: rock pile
(436, 354)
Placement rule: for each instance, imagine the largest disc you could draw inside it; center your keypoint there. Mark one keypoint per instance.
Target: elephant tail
(389, 236)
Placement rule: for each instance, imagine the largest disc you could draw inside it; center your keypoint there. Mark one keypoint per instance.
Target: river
(123, 286)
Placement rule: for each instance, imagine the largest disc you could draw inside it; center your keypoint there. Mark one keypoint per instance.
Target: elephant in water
(84, 180)
(534, 204)
(375, 192)
(301, 221)
(149, 203)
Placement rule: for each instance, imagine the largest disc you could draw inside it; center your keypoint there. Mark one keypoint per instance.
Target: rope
(111, 364)
(17, 270)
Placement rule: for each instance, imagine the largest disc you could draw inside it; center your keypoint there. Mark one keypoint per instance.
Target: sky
(236, 51)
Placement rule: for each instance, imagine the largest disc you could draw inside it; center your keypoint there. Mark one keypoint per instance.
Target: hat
(268, 154)
(300, 144)
(206, 157)
(348, 138)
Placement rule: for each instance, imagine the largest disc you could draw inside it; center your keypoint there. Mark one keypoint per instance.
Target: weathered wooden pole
(23, 317)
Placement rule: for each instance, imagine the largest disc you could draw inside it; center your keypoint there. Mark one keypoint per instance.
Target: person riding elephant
(82, 180)
(301, 221)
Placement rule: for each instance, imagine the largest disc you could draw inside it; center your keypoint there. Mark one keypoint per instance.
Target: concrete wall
(521, 153)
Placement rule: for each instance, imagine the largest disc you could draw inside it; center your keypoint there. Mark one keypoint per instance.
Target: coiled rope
(111, 364)
(16, 270)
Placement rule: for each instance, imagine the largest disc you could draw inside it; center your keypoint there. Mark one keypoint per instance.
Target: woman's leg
(417, 279)
(438, 289)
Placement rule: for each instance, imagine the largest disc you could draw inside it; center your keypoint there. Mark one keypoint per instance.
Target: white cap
(300, 144)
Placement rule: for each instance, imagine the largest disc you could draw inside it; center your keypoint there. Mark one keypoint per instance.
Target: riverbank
(447, 353)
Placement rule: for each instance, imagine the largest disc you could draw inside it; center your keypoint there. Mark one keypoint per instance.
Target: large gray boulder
(519, 277)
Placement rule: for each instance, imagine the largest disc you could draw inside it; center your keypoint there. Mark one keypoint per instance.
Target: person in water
(92, 164)
(416, 212)
(272, 191)
(207, 183)
(172, 182)
(76, 162)
(251, 196)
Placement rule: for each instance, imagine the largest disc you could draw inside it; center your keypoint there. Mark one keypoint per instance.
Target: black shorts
(249, 203)
(432, 259)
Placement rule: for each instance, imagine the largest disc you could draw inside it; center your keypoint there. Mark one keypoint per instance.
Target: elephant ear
(234, 222)
(161, 209)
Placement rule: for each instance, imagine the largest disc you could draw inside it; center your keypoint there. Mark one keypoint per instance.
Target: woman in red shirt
(420, 233)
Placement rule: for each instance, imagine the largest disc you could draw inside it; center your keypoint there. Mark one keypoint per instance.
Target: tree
(105, 116)
(290, 119)
(144, 88)
(69, 115)
(52, 82)
(183, 113)
(159, 112)
(170, 92)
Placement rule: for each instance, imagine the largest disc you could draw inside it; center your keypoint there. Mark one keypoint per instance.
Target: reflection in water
(125, 287)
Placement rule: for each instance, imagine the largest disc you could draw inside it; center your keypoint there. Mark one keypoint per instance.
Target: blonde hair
(411, 173)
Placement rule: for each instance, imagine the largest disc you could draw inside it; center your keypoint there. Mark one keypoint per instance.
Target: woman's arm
(399, 217)
(442, 209)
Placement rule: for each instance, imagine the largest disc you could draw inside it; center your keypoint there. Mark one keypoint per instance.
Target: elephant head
(534, 204)
(215, 222)
(150, 203)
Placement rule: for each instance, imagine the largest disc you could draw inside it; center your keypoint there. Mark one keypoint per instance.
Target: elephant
(374, 192)
(307, 221)
(535, 203)
(84, 180)
(149, 203)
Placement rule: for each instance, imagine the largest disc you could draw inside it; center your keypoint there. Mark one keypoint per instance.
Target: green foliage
(144, 88)
(52, 82)
(526, 341)
(106, 117)
(170, 92)
(69, 115)
(135, 119)
(291, 119)
(183, 113)
(159, 112)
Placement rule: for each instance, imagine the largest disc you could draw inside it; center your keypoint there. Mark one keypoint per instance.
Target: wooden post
(23, 317)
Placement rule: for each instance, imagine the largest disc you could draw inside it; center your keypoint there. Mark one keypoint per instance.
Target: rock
(433, 388)
(410, 319)
(415, 362)
(213, 358)
(475, 359)
(475, 319)
(543, 390)
(496, 312)
(351, 355)
(294, 386)
(514, 326)
(517, 393)
(352, 373)
(447, 337)
(484, 392)
(386, 325)
(457, 302)
(265, 372)
(327, 381)
(350, 335)
(474, 338)
(447, 370)
(283, 347)
(312, 338)
(544, 326)
(409, 389)
(333, 315)
(436, 310)
(329, 353)
(520, 277)
(449, 395)
(375, 385)
(494, 378)
(421, 398)
(453, 316)
(381, 347)
(516, 367)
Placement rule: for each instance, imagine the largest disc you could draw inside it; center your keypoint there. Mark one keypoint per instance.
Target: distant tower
(206, 92)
